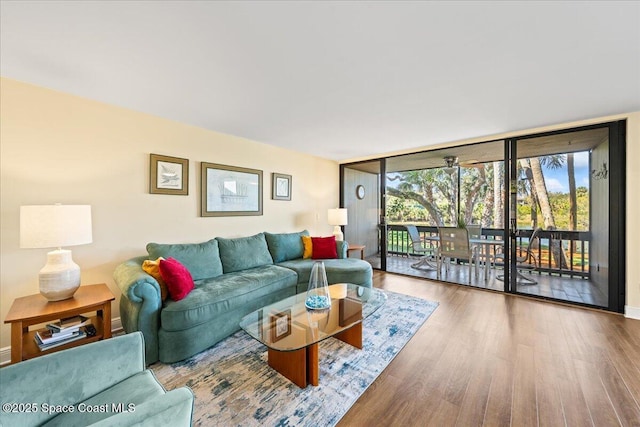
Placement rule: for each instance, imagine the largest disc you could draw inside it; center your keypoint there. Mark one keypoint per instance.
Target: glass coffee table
(292, 332)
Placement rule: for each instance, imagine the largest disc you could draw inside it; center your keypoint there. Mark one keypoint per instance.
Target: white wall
(56, 147)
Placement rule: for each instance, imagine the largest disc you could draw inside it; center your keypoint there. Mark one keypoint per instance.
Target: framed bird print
(169, 175)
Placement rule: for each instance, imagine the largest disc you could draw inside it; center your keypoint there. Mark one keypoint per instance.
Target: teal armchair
(99, 384)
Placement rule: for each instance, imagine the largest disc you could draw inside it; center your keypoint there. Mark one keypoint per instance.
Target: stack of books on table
(62, 332)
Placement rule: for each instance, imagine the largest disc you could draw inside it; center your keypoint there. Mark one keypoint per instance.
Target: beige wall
(633, 184)
(57, 147)
(633, 213)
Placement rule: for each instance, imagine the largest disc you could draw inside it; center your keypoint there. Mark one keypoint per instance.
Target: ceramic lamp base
(337, 231)
(60, 277)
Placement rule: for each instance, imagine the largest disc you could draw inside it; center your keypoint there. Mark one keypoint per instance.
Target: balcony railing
(574, 246)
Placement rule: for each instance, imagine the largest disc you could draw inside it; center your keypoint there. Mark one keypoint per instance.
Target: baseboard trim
(632, 312)
(5, 352)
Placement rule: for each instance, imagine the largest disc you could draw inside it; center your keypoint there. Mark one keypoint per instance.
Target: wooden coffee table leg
(313, 365)
(291, 364)
(352, 336)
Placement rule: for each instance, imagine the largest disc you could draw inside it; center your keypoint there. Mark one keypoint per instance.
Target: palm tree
(489, 197)
(498, 194)
(573, 198)
(540, 188)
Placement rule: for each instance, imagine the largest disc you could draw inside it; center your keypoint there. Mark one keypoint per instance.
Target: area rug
(234, 386)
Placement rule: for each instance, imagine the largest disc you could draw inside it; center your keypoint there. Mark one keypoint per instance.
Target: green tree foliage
(430, 197)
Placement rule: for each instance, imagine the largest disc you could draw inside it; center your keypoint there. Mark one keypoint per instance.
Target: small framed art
(280, 186)
(168, 175)
(280, 323)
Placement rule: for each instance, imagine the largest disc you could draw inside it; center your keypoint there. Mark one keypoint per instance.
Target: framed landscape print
(230, 190)
(280, 186)
(169, 175)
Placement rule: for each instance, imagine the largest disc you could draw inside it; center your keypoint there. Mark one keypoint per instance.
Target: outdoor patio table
(485, 250)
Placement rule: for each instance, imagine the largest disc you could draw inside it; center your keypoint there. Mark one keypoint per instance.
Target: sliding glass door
(544, 213)
(561, 215)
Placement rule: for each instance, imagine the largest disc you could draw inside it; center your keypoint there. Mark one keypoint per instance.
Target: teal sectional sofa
(104, 383)
(233, 277)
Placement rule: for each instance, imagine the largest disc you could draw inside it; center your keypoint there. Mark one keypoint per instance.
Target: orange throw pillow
(308, 247)
(153, 269)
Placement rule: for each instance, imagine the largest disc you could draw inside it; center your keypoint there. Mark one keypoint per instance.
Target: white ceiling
(339, 80)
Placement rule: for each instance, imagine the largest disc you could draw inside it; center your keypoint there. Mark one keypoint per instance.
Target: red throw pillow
(324, 247)
(177, 277)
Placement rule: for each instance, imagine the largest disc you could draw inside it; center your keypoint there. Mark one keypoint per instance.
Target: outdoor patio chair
(524, 257)
(418, 246)
(475, 232)
(454, 244)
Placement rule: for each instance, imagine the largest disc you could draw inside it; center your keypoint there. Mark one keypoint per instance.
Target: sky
(557, 179)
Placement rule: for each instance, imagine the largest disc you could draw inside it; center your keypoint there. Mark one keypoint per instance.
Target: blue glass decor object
(318, 297)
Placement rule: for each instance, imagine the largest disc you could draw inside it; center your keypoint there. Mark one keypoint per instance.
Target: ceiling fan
(452, 161)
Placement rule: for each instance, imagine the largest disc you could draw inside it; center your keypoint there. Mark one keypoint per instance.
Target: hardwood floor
(489, 359)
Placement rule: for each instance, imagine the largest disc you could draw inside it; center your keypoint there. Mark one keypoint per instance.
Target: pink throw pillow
(324, 248)
(177, 277)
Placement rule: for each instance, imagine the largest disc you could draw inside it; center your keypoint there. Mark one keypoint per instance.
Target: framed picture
(280, 186)
(280, 323)
(230, 190)
(169, 175)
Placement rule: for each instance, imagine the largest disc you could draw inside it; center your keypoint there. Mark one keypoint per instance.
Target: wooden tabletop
(35, 306)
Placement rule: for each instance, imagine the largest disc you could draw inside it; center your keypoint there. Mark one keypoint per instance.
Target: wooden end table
(356, 248)
(36, 309)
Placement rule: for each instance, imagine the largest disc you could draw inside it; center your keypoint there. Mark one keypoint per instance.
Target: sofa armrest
(140, 303)
(175, 408)
(341, 248)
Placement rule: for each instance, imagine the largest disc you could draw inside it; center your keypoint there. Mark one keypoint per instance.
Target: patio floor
(565, 288)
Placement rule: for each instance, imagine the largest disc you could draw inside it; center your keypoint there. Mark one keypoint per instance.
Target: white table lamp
(337, 217)
(55, 226)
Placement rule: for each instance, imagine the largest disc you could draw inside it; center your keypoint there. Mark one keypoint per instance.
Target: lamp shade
(55, 226)
(337, 216)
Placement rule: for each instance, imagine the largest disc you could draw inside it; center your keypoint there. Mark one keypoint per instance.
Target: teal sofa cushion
(285, 246)
(133, 391)
(215, 297)
(244, 253)
(201, 259)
